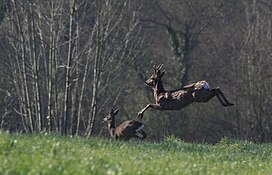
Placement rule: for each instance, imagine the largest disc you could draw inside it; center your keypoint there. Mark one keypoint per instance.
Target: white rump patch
(140, 128)
(205, 85)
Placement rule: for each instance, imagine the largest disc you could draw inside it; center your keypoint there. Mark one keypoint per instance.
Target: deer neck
(158, 89)
(111, 128)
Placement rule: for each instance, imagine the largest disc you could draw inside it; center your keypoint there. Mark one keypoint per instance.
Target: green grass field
(49, 154)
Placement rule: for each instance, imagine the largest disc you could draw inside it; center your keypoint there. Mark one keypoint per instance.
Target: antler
(157, 68)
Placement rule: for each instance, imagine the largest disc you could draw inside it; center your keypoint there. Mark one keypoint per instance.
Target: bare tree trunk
(67, 97)
(50, 70)
(18, 77)
(18, 84)
(35, 68)
(79, 111)
(74, 95)
(52, 110)
(96, 79)
(253, 60)
(47, 39)
(24, 82)
(83, 84)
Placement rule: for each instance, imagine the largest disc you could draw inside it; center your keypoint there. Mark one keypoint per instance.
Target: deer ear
(189, 86)
(163, 72)
(116, 111)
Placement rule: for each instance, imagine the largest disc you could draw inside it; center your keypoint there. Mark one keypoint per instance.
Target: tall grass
(51, 154)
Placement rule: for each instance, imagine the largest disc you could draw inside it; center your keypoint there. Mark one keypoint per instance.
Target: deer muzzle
(104, 120)
(148, 82)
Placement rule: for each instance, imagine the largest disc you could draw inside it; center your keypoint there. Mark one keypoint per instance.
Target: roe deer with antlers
(177, 99)
(127, 130)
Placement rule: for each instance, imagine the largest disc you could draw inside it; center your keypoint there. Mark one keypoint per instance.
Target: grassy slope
(40, 154)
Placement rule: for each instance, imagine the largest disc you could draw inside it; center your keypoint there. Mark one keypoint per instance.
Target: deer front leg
(212, 93)
(154, 106)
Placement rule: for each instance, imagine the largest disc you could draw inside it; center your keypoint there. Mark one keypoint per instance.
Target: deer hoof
(228, 104)
(140, 115)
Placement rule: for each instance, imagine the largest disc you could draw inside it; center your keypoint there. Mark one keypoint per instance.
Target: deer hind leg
(136, 136)
(208, 96)
(221, 101)
(143, 134)
(212, 93)
(220, 94)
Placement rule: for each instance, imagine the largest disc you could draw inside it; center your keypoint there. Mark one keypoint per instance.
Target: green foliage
(53, 154)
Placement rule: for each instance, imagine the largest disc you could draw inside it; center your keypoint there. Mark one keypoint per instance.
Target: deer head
(156, 76)
(110, 118)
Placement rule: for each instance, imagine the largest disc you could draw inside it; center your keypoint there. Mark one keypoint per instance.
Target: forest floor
(53, 154)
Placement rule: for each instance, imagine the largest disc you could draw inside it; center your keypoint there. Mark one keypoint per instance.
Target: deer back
(128, 128)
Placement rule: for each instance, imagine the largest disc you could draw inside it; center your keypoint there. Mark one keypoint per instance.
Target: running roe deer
(127, 130)
(177, 99)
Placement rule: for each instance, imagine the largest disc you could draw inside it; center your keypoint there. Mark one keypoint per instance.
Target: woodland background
(66, 63)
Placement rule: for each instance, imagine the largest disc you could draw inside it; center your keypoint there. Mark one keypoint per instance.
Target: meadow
(54, 154)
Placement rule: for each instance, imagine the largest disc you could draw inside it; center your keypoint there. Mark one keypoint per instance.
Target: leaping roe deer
(127, 130)
(177, 99)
